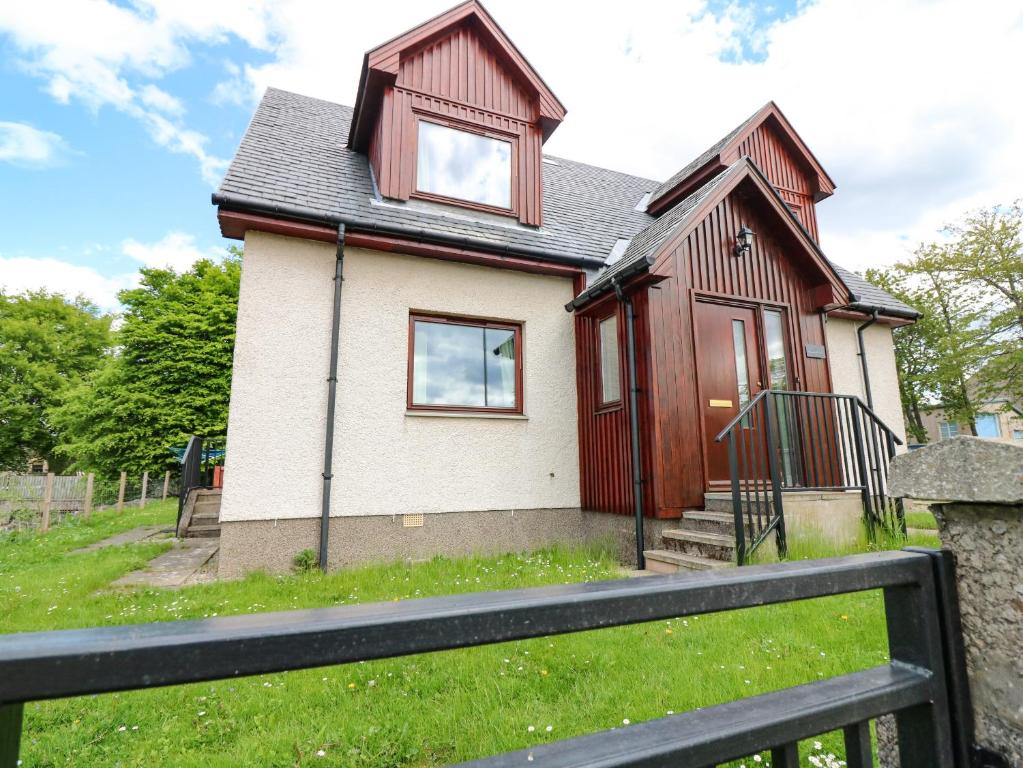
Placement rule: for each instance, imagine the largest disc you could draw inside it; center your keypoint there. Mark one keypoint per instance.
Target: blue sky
(117, 118)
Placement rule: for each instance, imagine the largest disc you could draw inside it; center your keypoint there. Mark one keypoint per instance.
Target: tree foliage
(168, 378)
(48, 344)
(969, 344)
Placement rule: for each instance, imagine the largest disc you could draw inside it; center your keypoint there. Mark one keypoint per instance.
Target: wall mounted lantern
(744, 241)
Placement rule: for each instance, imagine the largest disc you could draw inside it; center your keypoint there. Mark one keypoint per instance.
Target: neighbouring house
(998, 417)
(439, 324)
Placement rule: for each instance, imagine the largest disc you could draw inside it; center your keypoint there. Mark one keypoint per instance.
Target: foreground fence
(923, 684)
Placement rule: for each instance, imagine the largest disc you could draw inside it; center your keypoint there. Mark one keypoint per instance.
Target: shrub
(306, 560)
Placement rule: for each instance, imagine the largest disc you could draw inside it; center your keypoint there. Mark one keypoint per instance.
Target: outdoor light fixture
(744, 241)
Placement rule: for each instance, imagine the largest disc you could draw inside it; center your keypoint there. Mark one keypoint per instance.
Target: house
(998, 417)
(439, 324)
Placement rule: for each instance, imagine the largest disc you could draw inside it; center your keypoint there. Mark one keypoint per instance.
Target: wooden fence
(37, 500)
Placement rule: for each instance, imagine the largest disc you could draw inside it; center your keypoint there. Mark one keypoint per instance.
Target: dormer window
(464, 165)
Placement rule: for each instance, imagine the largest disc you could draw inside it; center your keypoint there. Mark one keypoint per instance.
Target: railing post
(861, 466)
(914, 639)
(10, 734)
(740, 528)
(772, 464)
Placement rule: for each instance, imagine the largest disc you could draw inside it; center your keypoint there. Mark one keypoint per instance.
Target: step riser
(207, 506)
(203, 534)
(725, 505)
(708, 526)
(700, 549)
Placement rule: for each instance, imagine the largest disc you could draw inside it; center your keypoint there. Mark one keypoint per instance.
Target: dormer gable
(768, 138)
(451, 112)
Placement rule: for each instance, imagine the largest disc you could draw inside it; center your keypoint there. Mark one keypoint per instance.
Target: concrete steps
(705, 539)
(204, 514)
(666, 561)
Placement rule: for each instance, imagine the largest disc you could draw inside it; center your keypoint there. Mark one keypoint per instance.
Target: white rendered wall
(847, 373)
(386, 461)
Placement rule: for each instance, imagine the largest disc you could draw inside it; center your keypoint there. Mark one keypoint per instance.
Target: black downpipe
(863, 358)
(637, 469)
(328, 447)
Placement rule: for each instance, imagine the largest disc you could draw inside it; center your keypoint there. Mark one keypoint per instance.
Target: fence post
(44, 526)
(120, 492)
(145, 489)
(89, 480)
(166, 485)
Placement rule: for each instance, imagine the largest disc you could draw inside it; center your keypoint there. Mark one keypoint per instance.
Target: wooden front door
(728, 370)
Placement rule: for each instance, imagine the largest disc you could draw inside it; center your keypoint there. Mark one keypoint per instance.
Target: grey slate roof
(293, 159)
(702, 159)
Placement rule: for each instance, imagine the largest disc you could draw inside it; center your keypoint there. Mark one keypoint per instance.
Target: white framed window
(610, 366)
(987, 425)
(1017, 434)
(464, 165)
(949, 429)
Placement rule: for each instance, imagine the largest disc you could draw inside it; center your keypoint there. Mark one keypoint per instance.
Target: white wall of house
(847, 373)
(385, 460)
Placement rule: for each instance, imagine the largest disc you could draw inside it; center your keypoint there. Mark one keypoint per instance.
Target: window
(610, 369)
(777, 364)
(948, 430)
(461, 364)
(467, 166)
(987, 425)
(741, 369)
(1017, 434)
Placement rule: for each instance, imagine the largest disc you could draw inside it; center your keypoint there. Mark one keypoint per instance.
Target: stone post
(975, 488)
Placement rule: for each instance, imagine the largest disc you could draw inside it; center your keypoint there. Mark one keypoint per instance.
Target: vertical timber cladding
(459, 78)
(705, 263)
(605, 463)
(782, 168)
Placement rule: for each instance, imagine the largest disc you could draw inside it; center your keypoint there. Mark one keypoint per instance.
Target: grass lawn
(417, 711)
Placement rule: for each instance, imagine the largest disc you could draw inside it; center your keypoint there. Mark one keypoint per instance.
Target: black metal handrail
(191, 472)
(806, 441)
(925, 666)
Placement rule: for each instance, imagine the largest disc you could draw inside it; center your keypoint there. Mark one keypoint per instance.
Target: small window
(459, 364)
(949, 430)
(987, 425)
(610, 368)
(1017, 434)
(463, 165)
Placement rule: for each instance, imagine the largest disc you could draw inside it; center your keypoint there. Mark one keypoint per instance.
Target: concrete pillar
(976, 492)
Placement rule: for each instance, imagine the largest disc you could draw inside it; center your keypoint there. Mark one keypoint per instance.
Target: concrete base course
(271, 545)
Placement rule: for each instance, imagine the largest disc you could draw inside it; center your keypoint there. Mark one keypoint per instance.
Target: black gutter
(328, 447)
(603, 285)
(244, 203)
(637, 469)
(863, 357)
(872, 309)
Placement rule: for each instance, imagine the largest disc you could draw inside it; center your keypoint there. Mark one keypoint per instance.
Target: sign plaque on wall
(815, 351)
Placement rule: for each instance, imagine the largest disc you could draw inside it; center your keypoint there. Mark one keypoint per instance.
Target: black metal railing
(923, 684)
(806, 441)
(201, 455)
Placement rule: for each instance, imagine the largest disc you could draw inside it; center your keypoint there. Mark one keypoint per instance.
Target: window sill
(468, 415)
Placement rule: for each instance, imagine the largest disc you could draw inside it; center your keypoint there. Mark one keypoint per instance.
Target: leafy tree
(168, 378)
(988, 261)
(48, 344)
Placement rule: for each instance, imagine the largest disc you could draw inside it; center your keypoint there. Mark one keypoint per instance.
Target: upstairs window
(949, 429)
(988, 426)
(464, 165)
(464, 365)
(610, 370)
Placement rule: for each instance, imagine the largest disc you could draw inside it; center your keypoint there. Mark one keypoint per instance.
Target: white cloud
(21, 273)
(176, 250)
(159, 99)
(910, 104)
(21, 144)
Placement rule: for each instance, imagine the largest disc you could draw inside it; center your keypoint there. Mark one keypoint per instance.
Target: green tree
(169, 376)
(48, 344)
(987, 259)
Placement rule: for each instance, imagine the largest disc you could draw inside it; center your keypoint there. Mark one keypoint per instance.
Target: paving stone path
(183, 564)
(142, 533)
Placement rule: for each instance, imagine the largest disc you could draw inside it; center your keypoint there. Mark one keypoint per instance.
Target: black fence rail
(923, 685)
(806, 441)
(201, 455)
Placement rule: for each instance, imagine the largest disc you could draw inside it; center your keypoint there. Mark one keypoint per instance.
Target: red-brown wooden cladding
(604, 448)
(459, 79)
(777, 275)
(785, 170)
